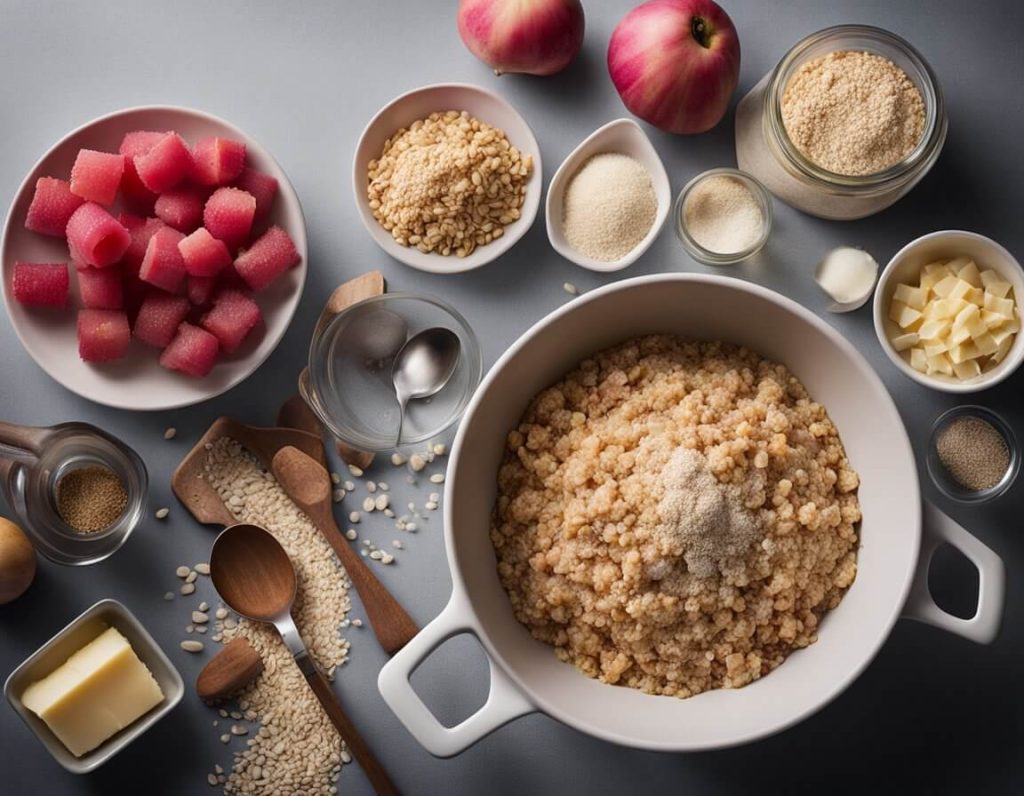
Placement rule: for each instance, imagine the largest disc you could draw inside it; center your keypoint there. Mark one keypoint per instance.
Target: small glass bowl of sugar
(723, 216)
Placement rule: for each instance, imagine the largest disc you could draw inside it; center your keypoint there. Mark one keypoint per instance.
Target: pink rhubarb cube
(162, 266)
(229, 214)
(96, 176)
(103, 335)
(95, 237)
(193, 351)
(233, 316)
(262, 186)
(165, 165)
(200, 289)
(101, 288)
(40, 284)
(203, 254)
(141, 230)
(159, 318)
(218, 161)
(52, 206)
(134, 144)
(271, 255)
(181, 207)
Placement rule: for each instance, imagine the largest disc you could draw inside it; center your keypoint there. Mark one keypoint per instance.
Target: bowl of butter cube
(947, 311)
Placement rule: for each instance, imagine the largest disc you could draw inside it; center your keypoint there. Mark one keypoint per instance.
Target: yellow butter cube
(966, 316)
(976, 327)
(1001, 334)
(959, 336)
(940, 364)
(986, 344)
(975, 296)
(960, 290)
(932, 273)
(945, 286)
(1001, 351)
(935, 347)
(988, 276)
(993, 320)
(968, 369)
(932, 330)
(963, 352)
(904, 316)
(918, 360)
(1003, 306)
(970, 274)
(911, 296)
(902, 342)
(958, 263)
(998, 288)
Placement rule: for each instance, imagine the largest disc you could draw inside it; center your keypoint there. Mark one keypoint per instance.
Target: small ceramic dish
(944, 480)
(82, 630)
(138, 381)
(622, 136)
(708, 256)
(905, 266)
(418, 104)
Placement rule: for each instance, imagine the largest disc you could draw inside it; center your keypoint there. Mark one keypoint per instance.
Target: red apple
(535, 37)
(675, 63)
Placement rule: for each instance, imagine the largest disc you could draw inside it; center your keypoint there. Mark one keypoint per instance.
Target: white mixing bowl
(892, 577)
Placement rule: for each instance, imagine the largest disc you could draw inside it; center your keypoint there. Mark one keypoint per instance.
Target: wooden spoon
(196, 493)
(309, 486)
(253, 574)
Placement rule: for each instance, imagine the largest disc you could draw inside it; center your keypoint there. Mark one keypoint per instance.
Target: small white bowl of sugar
(609, 199)
(723, 216)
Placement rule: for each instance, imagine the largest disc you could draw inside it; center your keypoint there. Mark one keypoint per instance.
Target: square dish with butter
(94, 687)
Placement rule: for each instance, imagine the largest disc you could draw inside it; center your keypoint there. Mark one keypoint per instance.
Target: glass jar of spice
(765, 149)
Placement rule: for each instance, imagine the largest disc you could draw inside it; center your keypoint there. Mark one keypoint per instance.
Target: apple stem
(701, 32)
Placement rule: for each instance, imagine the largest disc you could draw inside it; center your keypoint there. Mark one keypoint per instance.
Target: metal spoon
(254, 576)
(423, 366)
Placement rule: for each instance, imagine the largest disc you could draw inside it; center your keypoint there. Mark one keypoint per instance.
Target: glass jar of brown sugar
(765, 149)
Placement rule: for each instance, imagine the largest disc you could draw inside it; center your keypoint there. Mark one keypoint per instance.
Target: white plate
(418, 104)
(625, 137)
(138, 381)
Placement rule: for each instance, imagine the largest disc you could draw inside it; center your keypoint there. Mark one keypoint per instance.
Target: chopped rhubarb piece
(263, 188)
(165, 165)
(96, 176)
(103, 335)
(40, 284)
(233, 316)
(271, 255)
(95, 237)
(228, 216)
(52, 206)
(101, 288)
(193, 351)
(181, 208)
(159, 318)
(162, 266)
(217, 160)
(203, 254)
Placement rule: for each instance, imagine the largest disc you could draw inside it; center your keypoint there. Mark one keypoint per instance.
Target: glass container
(942, 478)
(349, 385)
(764, 149)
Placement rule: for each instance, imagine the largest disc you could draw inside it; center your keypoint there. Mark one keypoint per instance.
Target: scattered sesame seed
(430, 505)
(200, 617)
(356, 471)
(204, 606)
(397, 459)
(351, 534)
(383, 487)
(202, 569)
(162, 513)
(222, 613)
(439, 449)
(192, 646)
(182, 572)
(339, 495)
(417, 462)
(386, 558)
(381, 502)
(188, 588)
(371, 486)
(396, 544)
(354, 517)
(571, 289)
(368, 504)
(238, 729)
(349, 486)
(225, 738)
(335, 479)
(437, 478)
(191, 577)
(389, 513)
(168, 595)
(434, 496)
(411, 527)
(376, 555)
(170, 433)
(190, 628)
(357, 622)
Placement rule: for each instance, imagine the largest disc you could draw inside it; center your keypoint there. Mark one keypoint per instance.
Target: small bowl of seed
(973, 456)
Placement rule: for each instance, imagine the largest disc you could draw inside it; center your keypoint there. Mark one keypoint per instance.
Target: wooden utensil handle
(374, 771)
(391, 624)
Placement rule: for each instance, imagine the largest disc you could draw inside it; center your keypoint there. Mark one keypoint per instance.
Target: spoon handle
(403, 402)
(371, 766)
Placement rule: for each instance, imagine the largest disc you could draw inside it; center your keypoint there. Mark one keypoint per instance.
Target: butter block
(970, 274)
(904, 316)
(904, 341)
(945, 286)
(95, 693)
(1003, 306)
(911, 296)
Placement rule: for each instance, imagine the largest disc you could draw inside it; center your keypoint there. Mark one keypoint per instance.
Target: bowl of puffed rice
(447, 177)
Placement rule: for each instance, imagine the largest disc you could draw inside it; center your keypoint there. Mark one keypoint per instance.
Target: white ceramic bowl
(418, 104)
(892, 577)
(79, 632)
(138, 381)
(625, 137)
(906, 265)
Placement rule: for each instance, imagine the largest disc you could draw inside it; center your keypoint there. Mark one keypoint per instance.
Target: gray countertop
(933, 712)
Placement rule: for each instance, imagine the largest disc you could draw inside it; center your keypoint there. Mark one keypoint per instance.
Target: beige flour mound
(296, 750)
(853, 113)
(598, 563)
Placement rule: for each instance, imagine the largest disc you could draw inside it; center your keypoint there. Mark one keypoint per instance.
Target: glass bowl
(349, 385)
(941, 477)
(707, 256)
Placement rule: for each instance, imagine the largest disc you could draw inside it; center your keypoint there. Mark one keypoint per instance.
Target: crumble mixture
(616, 548)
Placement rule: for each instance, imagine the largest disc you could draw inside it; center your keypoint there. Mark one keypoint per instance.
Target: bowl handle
(504, 700)
(983, 627)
